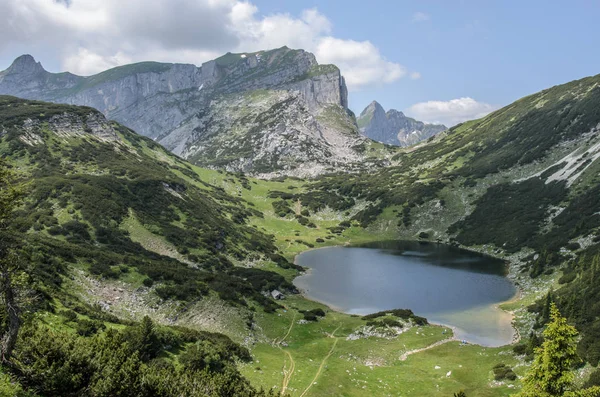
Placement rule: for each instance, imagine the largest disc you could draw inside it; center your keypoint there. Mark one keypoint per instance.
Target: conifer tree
(551, 374)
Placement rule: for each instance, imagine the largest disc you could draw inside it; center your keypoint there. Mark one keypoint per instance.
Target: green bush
(103, 269)
(68, 315)
(302, 220)
(520, 349)
(312, 315)
(148, 282)
(567, 278)
(385, 322)
(108, 364)
(593, 380)
(281, 208)
(502, 371)
(89, 327)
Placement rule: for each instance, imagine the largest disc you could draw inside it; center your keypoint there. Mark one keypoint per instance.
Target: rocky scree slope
(393, 127)
(269, 112)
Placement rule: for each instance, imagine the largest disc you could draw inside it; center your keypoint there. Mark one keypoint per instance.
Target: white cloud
(277, 30)
(415, 75)
(86, 62)
(360, 62)
(420, 17)
(92, 35)
(450, 112)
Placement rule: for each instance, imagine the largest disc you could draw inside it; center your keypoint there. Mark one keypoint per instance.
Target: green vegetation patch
(509, 215)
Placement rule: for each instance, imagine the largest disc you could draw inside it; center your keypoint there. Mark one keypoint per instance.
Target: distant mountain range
(393, 127)
(265, 113)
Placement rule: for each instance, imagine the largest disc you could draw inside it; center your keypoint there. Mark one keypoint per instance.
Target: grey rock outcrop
(70, 125)
(195, 111)
(393, 127)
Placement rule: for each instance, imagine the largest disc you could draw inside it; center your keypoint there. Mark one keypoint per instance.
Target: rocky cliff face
(217, 114)
(393, 127)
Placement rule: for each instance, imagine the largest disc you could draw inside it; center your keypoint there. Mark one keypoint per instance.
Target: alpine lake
(445, 284)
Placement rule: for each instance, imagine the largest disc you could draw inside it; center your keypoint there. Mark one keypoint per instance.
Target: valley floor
(319, 358)
(324, 358)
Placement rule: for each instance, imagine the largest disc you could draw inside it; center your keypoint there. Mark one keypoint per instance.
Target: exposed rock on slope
(393, 127)
(267, 112)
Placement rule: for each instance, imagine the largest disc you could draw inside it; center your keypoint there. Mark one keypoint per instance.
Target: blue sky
(437, 60)
(494, 52)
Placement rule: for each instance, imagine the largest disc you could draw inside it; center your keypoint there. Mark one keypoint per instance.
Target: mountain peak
(372, 108)
(393, 127)
(394, 113)
(25, 64)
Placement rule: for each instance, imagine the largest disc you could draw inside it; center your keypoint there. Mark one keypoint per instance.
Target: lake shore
(505, 318)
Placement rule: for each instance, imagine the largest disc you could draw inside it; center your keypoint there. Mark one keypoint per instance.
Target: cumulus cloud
(87, 62)
(360, 61)
(420, 17)
(278, 30)
(450, 112)
(91, 35)
(415, 75)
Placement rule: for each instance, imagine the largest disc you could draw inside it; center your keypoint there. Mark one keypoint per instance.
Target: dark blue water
(445, 284)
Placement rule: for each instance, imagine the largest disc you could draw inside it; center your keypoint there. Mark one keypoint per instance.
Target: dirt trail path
(312, 382)
(405, 355)
(289, 329)
(287, 372)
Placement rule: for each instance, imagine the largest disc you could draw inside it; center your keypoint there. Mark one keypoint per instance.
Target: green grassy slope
(514, 165)
(87, 196)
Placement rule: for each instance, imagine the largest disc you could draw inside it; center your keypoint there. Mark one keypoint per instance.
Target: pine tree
(145, 340)
(595, 268)
(539, 265)
(533, 343)
(550, 375)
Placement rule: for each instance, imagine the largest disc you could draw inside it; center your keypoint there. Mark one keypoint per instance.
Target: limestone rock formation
(393, 127)
(269, 112)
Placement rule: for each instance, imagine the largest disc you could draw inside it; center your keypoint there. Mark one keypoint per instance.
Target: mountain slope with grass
(125, 262)
(534, 163)
(110, 202)
(117, 228)
(264, 113)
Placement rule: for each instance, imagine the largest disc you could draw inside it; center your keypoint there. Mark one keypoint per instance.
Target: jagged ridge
(393, 127)
(192, 110)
